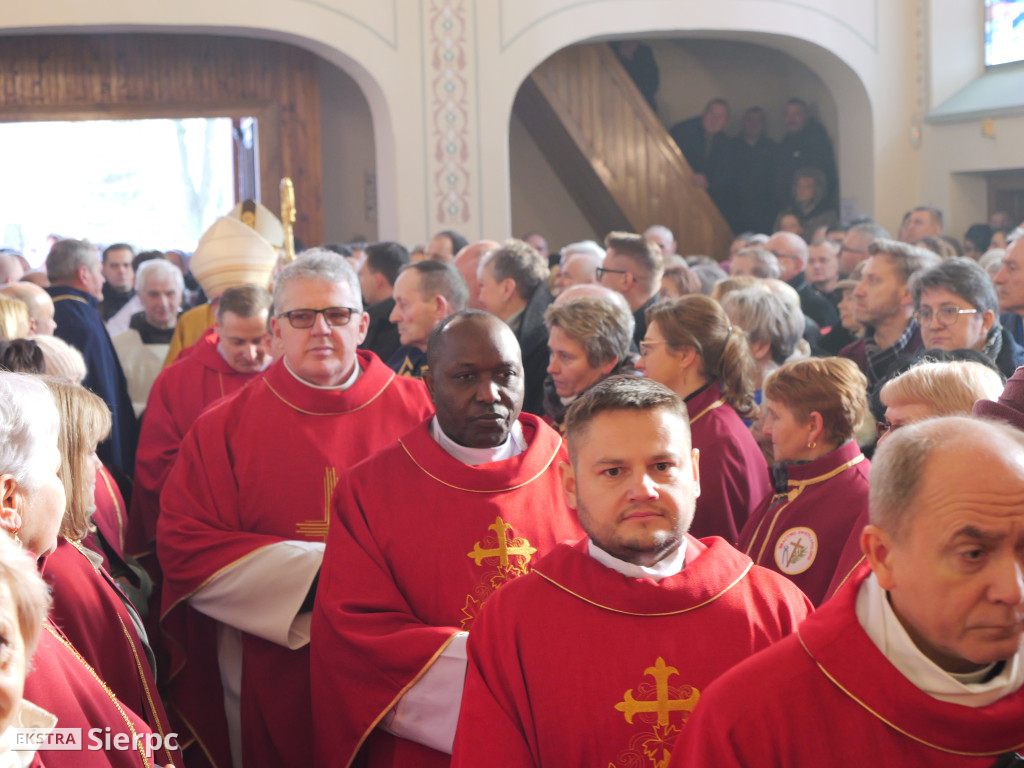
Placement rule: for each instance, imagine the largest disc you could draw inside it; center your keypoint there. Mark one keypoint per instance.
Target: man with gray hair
(854, 247)
(579, 264)
(754, 261)
(633, 266)
(791, 251)
(142, 348)
(513, 287)
(425, 293)
(884, 304)
(662, 235)
(76, 287)
(917, 658)
(245, 511)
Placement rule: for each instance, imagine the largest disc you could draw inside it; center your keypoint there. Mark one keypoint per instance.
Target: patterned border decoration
(449, 112)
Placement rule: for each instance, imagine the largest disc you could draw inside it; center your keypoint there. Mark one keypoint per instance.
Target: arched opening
(693, 70)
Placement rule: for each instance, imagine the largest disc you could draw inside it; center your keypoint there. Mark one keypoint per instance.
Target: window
(1004, 31)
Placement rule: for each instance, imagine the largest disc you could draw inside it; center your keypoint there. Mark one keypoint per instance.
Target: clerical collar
(975, 689)
(662, 569)
(337, 387)
(515, 444)
(267, 360)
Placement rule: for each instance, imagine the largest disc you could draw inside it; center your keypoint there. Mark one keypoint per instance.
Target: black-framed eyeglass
(301, 319)
(946, 315)
(602, 270)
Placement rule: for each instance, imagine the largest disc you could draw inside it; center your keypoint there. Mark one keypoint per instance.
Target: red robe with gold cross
(90, 609)
(828, 696)
(257, 469)
(60, 681)
(409, 563)
(579, 665)
(180, 393)
(801, 534)
(733, 473)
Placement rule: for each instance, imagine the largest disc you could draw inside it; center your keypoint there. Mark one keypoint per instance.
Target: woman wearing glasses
(691, 348)
(812, 410)
(956, 307)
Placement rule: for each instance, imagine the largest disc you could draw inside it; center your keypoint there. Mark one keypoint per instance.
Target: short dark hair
(21, 356)
(962, 277)
(643, 252)
(244, 301)
(623, 392)
(117, 247)
(907, 259)
(440, 279)
(434, 340)
(387, 259)
(143, 256)
(458, 241)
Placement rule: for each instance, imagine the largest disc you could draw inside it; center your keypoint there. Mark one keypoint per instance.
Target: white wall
(348, 156)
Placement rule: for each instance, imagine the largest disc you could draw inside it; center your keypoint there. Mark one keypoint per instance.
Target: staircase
(613, 154)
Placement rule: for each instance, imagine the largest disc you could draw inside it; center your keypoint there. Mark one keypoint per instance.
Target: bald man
(40, 306)
(792, 253)
(11, 269)
(467, 261)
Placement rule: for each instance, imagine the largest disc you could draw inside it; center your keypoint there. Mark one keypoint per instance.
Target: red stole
(257, 469)
(60, 681)
(180, 393)
(88, 608)
(733, 473)
(829, 697)
(801, 534)
(578, 665)
(409, 563)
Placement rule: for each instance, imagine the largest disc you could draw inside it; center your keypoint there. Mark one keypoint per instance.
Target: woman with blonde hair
(88, 604)
(692, 349)
(813, 408)
(14, 319)
(31, 511)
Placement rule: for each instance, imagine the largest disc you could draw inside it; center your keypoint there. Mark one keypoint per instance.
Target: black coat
(533, 341)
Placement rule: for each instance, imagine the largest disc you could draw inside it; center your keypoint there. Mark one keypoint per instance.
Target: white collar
(267, 359)
(30, 717)
(883, 626)
(668, 566)
(342, 387)
(514, 445)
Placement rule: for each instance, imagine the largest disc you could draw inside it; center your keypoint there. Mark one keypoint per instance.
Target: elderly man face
(161, 301)
(475, 378)
(323, 353)
(415, 313)
(791, 251)
(579, 269)
(1009, 280)
(953, 568)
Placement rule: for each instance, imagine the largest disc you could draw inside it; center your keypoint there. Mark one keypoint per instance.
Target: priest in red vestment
(600, 654)
(218, 365)
(918, 659)
(245, 514)
(471, 501)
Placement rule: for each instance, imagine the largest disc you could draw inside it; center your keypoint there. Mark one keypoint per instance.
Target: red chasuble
(89, 610)
(60, 681)
(801, 534)
(850, 558)
(409, 563)
(578, 665)
(110, 517)
(180, 393)
(828, 696)
(734, 476)
(257, 469)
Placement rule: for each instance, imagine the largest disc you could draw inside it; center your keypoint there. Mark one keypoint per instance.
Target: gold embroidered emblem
(505, 556)
(653, 747)
(317, 529)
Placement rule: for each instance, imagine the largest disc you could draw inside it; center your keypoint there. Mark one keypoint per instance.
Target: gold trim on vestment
(106, 689)
(633, 613)
(211, 577)
(717, 404)
(69, 297)
(145, 688)
(896, 727)
(394, 701)
(336, 413)
(796, 487)
(846, 578)
(194, 738)
(488, 490)
(117, 510)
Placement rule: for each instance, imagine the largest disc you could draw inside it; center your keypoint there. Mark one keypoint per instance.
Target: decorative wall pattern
(449, 76)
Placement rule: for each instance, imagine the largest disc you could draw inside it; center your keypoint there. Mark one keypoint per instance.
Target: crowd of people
(490, 504)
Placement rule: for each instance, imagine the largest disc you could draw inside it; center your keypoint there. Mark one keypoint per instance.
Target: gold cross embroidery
(662, 704)
(317, 529)
(505, 548)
